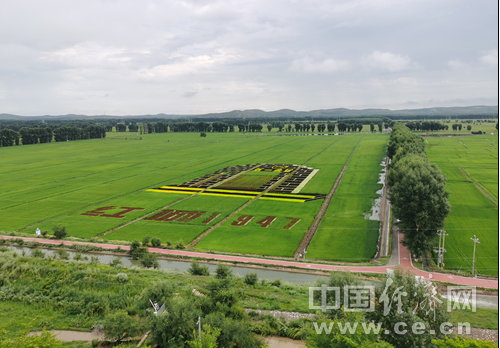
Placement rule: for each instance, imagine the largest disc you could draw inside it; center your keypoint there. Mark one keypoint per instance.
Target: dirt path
(308, 236)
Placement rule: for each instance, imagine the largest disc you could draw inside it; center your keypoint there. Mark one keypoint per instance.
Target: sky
(198, 56)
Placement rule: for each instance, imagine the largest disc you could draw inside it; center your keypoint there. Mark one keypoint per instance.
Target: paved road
(404, 260)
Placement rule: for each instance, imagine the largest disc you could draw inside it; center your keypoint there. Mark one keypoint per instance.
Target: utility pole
(475, 240)
(441, 250)
(199, 327)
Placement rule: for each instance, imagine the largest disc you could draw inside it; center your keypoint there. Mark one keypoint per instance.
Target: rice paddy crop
(471, 167)
(85, 186)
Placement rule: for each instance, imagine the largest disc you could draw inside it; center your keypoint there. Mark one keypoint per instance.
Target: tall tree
(419, 199)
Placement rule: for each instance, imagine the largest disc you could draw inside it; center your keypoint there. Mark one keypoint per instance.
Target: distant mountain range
(253, 113)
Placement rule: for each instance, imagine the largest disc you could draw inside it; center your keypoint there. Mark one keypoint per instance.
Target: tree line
(416, 190)
(29, 136)
(427, 126)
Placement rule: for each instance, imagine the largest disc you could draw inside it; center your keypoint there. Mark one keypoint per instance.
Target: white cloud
(388, 61)
(307, 65)
(87, 54)
(456, 64)
(491, 58)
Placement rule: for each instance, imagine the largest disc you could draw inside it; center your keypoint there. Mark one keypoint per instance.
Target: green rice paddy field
(471, 167)
(97, 188)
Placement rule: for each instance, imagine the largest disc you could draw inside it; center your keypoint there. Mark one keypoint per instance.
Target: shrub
(62, 254)
(198, 270)
(223, 272)
(156, 242)
(145, 241)
(169, 244)
(44, 233)
(276, 283)
(37, 253)
(251, 278)
(116, 262)
(179, 245)
(120, 325)
(121, 278)
(59, 231)
(149, 260)
(136, 251)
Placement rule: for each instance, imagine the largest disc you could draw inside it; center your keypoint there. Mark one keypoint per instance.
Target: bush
(120, 325)
(276, 283)
(62, 254)
(198, 270)
(121, 278)
(149, 260)
(179, 245)
(44, 233)
(251, 278)
(223, 272)
(145, 241)
(169, 244)
(156, 242)
(136, 251)
(116, 262)
(37, 253)
(59, 231)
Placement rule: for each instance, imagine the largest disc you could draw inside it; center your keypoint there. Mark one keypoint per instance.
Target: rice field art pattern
(279, 182)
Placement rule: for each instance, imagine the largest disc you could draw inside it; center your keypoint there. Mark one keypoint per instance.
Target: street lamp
(475, 240)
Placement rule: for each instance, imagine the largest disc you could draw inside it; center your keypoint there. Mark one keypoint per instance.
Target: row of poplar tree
(416, 190)
(28, 136)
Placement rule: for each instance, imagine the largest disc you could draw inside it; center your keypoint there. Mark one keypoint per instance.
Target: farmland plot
(471, 167)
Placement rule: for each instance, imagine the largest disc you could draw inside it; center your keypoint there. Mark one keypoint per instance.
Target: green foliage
(419, 199)
(62, 254)
(180, 245)
(116, 262)
(137, 251)
(251, 278)
(37, 253)
(149, 260)
(145, 241)
(207, 338)
(156, 242)
(340, 280)
(174, 329)
(122, 278)
(223, 272)
(198, 270)
(458, 342)
(276, 283)
(59, 231)
(44, 340)
(158, 292)
(120, 325)
(335, 339)
(418, 305)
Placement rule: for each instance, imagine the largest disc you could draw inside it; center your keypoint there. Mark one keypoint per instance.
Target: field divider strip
(171, 204)
(230, 216)
(308, 236)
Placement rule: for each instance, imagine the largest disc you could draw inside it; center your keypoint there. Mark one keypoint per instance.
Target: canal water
(183, 266)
